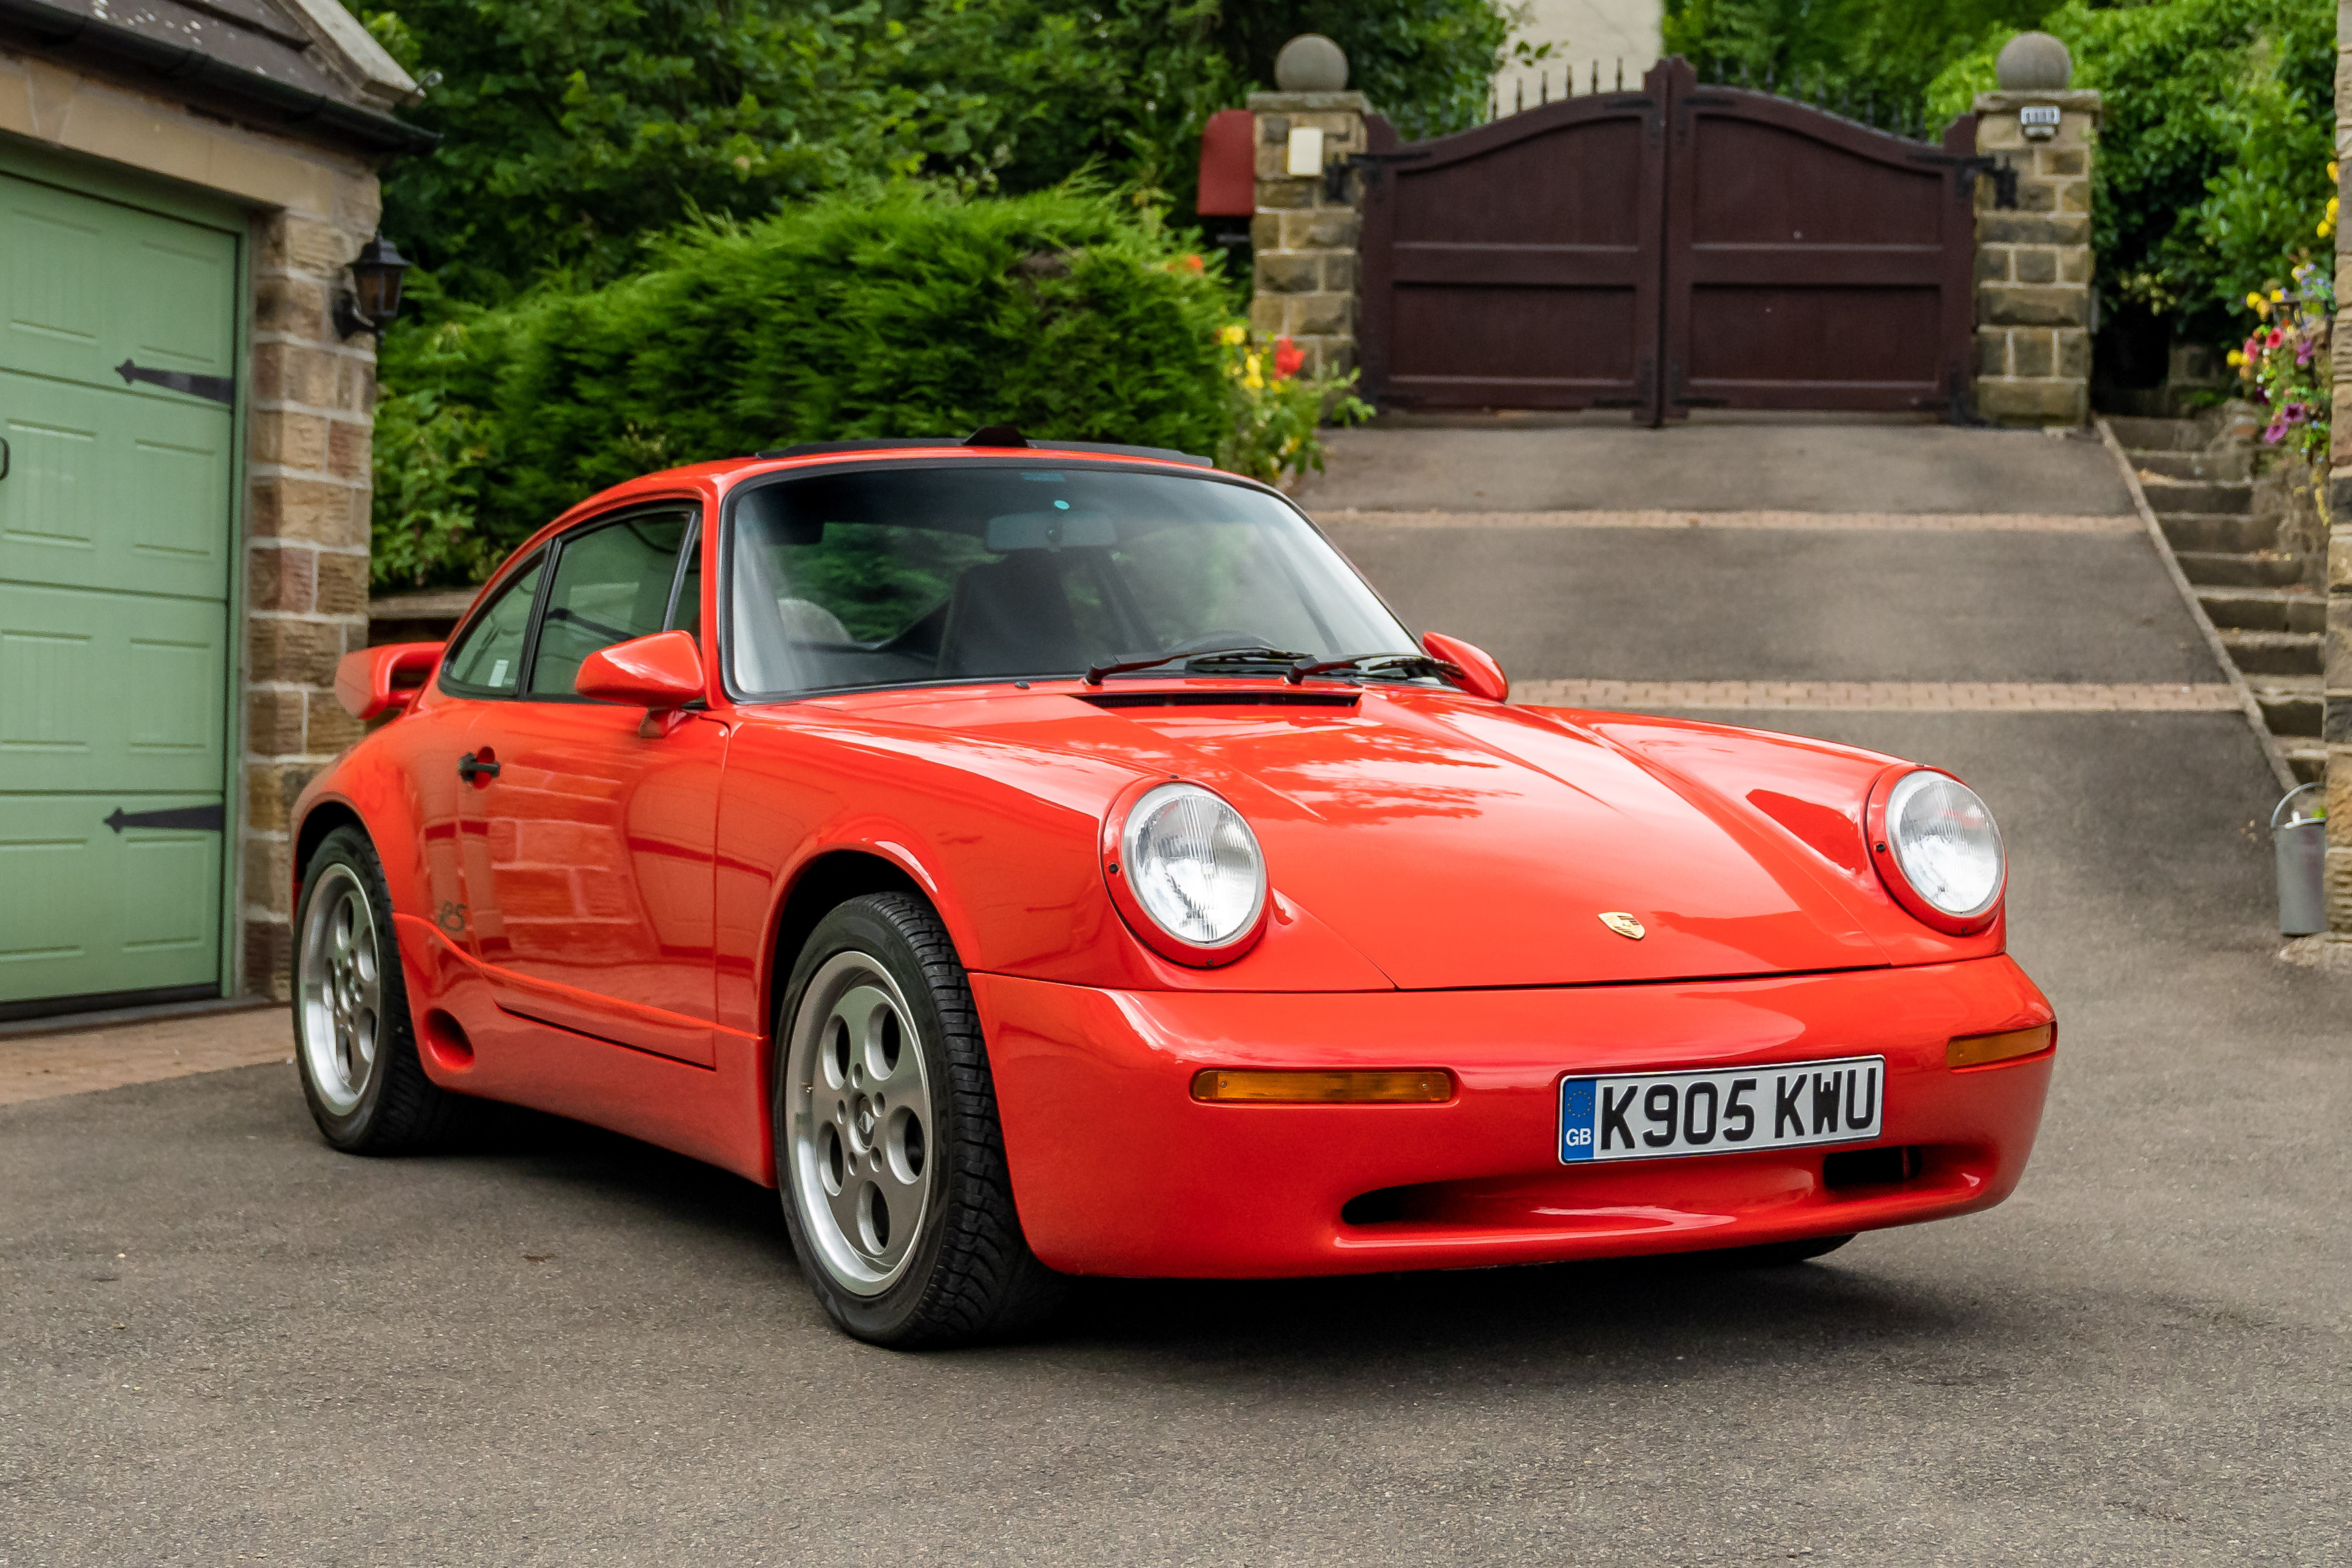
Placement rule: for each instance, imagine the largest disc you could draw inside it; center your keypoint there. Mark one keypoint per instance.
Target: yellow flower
(1250, 377)
(2255, 301)
(2237, 357)
(2326, 227)
(1233, 337)
(2278, 296)
(2331, 169)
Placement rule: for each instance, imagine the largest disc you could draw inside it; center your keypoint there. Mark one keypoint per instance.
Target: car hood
(1458, 843)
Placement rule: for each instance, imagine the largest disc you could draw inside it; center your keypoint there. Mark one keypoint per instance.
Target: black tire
(393, 1109)
(968, 1275)
(1776, 1254)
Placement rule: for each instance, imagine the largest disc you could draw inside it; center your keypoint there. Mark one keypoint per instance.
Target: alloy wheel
(338, 995)
(860, 1124)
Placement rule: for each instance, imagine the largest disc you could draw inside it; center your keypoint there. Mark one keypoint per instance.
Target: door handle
(470, 767)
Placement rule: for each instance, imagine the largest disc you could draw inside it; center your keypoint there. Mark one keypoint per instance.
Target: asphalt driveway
(222, 1342)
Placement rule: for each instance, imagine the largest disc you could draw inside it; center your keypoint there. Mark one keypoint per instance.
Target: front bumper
(1118, 1170)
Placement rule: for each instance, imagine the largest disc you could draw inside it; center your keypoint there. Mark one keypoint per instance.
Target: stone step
(2219, 533)
(2307, 757)
(2232, 465)
(2138, 434)
(2264, 569)
(2207, 496)
(2266, 609)
(2273, 653)
(2291, 704)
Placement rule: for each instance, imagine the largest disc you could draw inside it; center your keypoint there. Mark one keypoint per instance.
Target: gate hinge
(2004, 177)
(1335, 175)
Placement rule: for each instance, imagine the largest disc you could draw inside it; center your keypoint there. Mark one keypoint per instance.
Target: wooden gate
(1682, 247)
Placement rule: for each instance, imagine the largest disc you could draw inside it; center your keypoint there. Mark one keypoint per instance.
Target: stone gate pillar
(1303, 236)
(2033, 259)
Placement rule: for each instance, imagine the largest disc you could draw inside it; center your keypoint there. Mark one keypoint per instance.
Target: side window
(488, 658)
(611, 584)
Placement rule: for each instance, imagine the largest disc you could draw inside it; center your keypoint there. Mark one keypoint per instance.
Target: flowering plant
(2284, 361)
(1277, 412)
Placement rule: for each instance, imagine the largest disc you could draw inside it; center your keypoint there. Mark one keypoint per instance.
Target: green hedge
(906, 312)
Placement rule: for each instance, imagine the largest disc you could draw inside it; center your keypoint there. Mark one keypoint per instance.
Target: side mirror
(661, 671)
(376, 681)
(1481, 676)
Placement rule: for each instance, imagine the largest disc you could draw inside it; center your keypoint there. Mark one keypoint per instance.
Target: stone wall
(308, 402)
(308, 421)
(1303, 287)
(2033, 262)
(2336, 726)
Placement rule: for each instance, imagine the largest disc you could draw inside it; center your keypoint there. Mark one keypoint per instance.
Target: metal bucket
(2301, 845)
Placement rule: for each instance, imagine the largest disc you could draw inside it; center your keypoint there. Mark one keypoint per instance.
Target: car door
(590, 832)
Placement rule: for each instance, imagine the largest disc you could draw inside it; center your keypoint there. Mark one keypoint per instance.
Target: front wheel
(354, 1043)
(888, 1152)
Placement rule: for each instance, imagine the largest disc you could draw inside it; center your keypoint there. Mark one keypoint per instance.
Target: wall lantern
(374, 298)
(2040, 120)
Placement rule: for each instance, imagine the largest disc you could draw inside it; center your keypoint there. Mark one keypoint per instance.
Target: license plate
(1664, 1115)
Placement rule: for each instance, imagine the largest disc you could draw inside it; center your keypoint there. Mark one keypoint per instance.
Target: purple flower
(2303, 352)
(2275, 434)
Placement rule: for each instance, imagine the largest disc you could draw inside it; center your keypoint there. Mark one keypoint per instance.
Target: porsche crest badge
(1622, 924)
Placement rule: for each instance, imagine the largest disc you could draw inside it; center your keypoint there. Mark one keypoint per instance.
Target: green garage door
(117, 332)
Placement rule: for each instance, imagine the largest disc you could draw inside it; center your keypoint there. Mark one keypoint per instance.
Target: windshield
(890, 577)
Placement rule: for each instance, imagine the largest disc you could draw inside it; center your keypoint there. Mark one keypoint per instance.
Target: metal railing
(1830, 95)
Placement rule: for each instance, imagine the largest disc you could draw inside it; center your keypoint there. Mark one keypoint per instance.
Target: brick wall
(2033, 262)
(311, 397)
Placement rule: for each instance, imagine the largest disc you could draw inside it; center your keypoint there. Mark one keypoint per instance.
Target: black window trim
(724, 632)
(550, 555)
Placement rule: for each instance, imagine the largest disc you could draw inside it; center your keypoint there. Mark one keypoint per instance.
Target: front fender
(1013, 864)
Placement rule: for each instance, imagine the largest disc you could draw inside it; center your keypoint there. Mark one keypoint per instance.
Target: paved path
(220, 1342)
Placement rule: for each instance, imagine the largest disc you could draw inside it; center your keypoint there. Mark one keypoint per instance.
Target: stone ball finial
(2033, 62)
(1311, 63)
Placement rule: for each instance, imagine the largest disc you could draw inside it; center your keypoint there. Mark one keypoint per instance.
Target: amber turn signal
(1977, 1050)
(1227, 1086)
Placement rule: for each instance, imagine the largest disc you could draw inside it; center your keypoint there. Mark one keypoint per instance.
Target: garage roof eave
(55, 26)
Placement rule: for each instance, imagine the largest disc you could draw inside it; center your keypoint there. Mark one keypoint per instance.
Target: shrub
(909, 312)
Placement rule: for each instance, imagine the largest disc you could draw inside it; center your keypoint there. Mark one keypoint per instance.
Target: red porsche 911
(1055, 860)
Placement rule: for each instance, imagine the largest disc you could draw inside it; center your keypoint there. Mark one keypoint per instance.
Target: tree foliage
(575, 128)
(1887, 50)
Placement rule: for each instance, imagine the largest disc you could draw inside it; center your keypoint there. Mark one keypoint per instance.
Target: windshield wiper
(1254, 653)
(1365, 664)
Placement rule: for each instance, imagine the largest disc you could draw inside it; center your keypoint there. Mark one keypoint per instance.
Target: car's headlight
(1937, 847)
(1189, 863)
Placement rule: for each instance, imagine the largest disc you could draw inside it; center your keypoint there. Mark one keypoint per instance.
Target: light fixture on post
(373, 300)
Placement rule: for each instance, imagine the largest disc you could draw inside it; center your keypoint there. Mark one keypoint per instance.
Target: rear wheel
(354, 1044)
(888, 1152)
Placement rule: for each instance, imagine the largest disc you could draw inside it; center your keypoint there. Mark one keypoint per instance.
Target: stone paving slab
(1880, 697)
(44, 1066)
